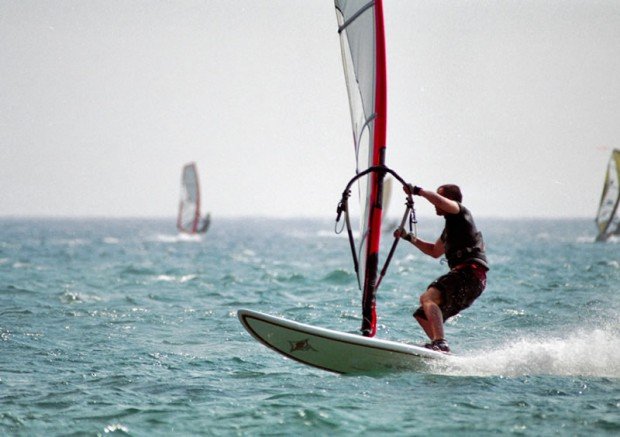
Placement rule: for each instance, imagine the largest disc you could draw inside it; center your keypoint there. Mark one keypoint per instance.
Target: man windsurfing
(462, 244)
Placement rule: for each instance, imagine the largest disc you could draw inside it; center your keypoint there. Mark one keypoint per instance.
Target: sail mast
(362, 39)
(376, 179)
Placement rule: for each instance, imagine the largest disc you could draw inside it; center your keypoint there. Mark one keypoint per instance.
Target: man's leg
(433, 325)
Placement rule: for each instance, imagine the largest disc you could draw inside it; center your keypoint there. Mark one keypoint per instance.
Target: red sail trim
(197, 213)
(369, 322)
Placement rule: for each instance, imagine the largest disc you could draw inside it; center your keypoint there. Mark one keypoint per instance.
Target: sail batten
(368, 5)
(608, 215)
(362, 41)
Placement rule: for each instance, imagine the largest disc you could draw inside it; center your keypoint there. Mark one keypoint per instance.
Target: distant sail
(362, 39)
(608, 216)
(189, 219)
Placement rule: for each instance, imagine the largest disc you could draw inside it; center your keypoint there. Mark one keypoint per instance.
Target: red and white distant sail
(189, 219)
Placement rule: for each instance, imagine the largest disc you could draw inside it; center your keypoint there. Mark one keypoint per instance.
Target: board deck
(334, 351)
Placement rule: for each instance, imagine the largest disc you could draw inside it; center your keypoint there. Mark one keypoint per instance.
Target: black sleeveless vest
(462, 240)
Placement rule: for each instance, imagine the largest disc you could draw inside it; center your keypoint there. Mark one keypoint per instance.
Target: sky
(102, 103)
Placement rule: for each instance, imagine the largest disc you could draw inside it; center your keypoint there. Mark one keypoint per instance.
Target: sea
(125, 327)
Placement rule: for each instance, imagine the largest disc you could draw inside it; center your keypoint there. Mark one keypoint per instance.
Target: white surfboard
(334, 351)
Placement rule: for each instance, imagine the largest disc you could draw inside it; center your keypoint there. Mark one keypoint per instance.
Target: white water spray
(592, 353)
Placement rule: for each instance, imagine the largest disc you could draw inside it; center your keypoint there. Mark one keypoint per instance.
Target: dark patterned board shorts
(459, 288)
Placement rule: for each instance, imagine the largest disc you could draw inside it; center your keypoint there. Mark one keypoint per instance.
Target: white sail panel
(356, 23)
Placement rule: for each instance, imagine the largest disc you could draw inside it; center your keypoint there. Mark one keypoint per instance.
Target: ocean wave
(12, 289)
(283, 278)
(137, 270)
(69, 297)
(338, 276)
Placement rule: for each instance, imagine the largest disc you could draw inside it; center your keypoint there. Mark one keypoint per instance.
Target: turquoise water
(123, 327)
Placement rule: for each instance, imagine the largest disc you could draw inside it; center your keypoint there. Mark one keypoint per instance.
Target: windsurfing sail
(189, 219)
(608, 216)
(362, 40)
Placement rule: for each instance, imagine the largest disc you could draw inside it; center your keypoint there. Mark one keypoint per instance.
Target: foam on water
(178, 238)
(593, 353)
(180, 279)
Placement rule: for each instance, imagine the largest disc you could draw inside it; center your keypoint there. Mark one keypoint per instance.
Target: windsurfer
(463, 247)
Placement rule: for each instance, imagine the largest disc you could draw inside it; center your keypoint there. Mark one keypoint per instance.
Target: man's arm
(432, 249)
(447, 205)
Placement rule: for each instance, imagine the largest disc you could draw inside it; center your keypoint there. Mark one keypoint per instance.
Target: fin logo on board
(302, 345)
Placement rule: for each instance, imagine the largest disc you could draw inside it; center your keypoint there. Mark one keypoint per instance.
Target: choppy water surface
(124, 327)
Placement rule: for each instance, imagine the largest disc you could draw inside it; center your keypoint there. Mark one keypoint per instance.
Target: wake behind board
(334, 351)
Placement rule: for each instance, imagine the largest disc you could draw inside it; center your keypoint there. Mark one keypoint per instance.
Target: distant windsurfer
(463, 247)
(204, 224)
